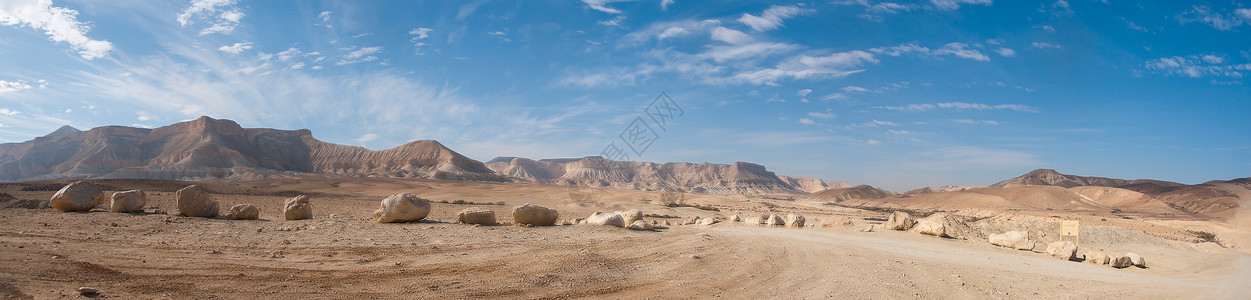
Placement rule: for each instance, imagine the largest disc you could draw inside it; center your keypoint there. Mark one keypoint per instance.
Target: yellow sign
(1070, 228)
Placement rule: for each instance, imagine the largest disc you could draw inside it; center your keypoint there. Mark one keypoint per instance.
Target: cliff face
(211, 148)
(594, 171)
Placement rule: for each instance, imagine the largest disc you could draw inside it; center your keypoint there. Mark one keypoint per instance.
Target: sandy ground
(342, 254)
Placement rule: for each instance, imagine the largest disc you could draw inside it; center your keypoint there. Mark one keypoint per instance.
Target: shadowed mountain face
(594, 171)
(211, 148)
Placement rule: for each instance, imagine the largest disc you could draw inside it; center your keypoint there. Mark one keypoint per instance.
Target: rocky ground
(341, 253)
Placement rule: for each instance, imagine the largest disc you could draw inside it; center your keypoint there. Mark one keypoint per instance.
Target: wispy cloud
(872, 124)
(955, 4)
(11, 86)
(772, 17)
(975, 122)
(1041, 45)
(236, 48)
(1196, 66)
(1005, 52)
(960, 106)
(972, 158)
(960, 50)
(730, 36)
(602, 5)
(222, 14)
(59, 23)
(1218, 20)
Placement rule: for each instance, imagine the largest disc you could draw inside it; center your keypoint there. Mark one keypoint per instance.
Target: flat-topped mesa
(595, 171)
(213, 148)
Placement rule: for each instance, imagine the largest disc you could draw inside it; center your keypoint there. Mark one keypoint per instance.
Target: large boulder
(298, 208)
(794, 220)
(77, 196)
(1097, 257)
(131, 201)
(933, 225)
(194, 202)
(531, 214)
(775, 220)
(402, 207)
(1018, 240)
(475, 215)
(709, 221)
(1136, 259)
(602, 218)
(1119, 261)
(756, 220)
(691, 221)
(631, 215)
(244, 212)
(641, 225)
(1065, 250)
(900, 221)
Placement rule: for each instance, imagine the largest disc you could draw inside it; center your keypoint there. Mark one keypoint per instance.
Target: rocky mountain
(211, 148)
(1213, 197)
(595, 171)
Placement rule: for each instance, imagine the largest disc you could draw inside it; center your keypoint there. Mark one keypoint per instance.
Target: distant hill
(595, 171)
(1210, 197)
(211, 148)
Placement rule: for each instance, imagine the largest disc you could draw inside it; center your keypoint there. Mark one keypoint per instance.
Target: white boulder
(298, 208)
(476, 215)
(194, 202)
(602, 218)
(641, 225)
(244, 212)
(77, 196)
(535, 215)
(1065, 250)
(1136, 259)
(794, 220)
(131, 201)
(631, 215)
(900, 221)
(402, 207)
(1018, 240)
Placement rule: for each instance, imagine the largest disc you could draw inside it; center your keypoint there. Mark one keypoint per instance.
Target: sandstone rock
(1136, 259)
(475, 215)
(1018, 240)
(1097, 257)
(1065, 250)
(631, 215)
(601, 218)
(836, 222)
(194, 202)
(87, 291)
(1118, 261)
(900, 221)
(709, 221)
(794, 220)
(298, 208)
(735, 218)
(77, 196)
(402, 207)
(775, 220)
(244, 212)
(932, 225)
(641, 225)
(131, 201)
(531, 214)
(691, 221)
(756, 220)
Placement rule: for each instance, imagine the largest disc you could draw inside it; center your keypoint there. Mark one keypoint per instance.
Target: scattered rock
(735, 218)
(476, 215)
(708, 221)
(194, 202)
(244, 212)
(691, 221)
(836, 222)
(601, 218)
(900, 221)
(631, 215)
(1097, 257)
(77, 196)
(1118, 261)
(402, 207)
(1136, 259)
(87, 291)
(775, 220)
(531, 214)
(794, 220)
(298, 208)
(1018, 240)
(1065, 250)
(641, 225)
(131, 201)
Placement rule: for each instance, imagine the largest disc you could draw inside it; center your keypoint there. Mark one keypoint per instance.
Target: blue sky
(893, 94)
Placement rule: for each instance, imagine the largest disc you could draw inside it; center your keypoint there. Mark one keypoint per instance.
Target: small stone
(87, 291)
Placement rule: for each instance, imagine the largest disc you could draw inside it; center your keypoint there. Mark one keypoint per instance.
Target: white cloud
(1041, 45)
(420, 33)
(955, 4)
(855, 89)
(1005, 52)
(237, 48)
(207, 10)
(822, 115)
(664, 4)
(971, 121)
(872, 142)
(834, 65)
(1196, 66)
(807, 121)
(1133, 25)
(971, 158)
(669, 30)
(730, 36)
(297, 66)
(7, 112)
(602, 5)
(360, 55)
(366, 138)
(145, 116)
(871, 124)
(834, 96)
(740, 52)
(59, 23)
(961, 50)
(614, 22)
(12, 86)
(960, 106)
(1213, 59)
(324, 16)
(901, 132)
(772, 18)
(803, 92)
(901, 49)
(1220, 21)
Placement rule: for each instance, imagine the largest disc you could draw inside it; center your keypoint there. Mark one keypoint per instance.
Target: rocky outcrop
(534, 215)
(595, 171)
(402, 207)
(194, 202)
(210, 148)
(131, 201)
(77, 196)
(297, 208)
(900, 221)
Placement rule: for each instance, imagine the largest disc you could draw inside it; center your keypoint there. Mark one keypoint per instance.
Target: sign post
(1070, 228)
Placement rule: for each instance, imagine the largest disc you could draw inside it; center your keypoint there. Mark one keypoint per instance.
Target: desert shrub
(672, 199)
(461, 201)
(1204, 236)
